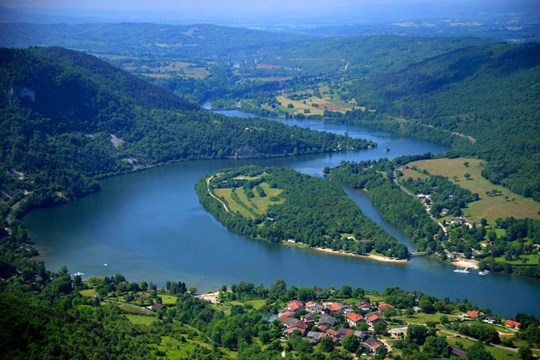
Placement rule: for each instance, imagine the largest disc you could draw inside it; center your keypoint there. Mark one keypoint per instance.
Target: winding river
(150, 226)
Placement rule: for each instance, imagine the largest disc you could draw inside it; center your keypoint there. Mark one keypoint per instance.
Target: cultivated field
(250, 208)
(490, 207)
(314, 105)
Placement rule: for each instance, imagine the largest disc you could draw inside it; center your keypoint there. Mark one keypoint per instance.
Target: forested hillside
(68, 118)
(487, 92)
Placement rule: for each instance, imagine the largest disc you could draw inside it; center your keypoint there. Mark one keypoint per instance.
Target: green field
(506, 204)
(88, 293)
(168, 299)
(315, 105)
(531, 259)
(141, 319)
(499, 354)
(253, 207)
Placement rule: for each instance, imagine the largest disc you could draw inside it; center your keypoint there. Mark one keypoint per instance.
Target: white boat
(462, 271)
(78, 274)
(483, 272)
(105, 264)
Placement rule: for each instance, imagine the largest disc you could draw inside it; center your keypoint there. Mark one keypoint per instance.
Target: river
(150, 226)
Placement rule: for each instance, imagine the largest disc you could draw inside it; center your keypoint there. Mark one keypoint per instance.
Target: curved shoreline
(343, 253)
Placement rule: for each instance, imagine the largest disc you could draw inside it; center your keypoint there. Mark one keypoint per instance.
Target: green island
(111, 317)
(431, 200)
(281, 205)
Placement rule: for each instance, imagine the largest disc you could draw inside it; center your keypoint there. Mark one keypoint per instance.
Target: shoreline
(343, 253)
(464, 263)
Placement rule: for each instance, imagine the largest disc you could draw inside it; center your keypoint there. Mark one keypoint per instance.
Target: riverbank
(466, 263)
(344, 253)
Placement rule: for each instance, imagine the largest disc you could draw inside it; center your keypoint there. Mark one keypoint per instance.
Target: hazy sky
(347, 10)
(251, 5)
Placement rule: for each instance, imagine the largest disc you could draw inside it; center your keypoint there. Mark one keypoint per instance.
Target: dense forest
(68, 118)
(310, 211)
(396, 206)
(488, 92)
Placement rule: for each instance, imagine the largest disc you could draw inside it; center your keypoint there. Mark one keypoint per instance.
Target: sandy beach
(370, 256)
(464, 263)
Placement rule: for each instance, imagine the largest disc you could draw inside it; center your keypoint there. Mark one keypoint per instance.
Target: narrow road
(214, 196)
(414, 196)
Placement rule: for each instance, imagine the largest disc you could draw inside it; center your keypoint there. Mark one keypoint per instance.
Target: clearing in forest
(495, 201)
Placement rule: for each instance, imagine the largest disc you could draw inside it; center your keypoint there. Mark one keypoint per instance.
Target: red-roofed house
(373, 344)
(313, 307)
(373, 318)
(323, 328)
(383, 307)
(335, 307)
(473, 314)
(364, 305)
(287, 313)
(512, 324)
(354, 319)
(292, 329)
(295, 305)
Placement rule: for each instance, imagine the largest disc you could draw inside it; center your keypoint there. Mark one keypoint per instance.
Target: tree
(478, 352)
(351, 343)
(327, 344)
(466, 164)
(417, 334)
(467, 176)
(525, 353)
(143, 285)
(379, 327)
(437, 346)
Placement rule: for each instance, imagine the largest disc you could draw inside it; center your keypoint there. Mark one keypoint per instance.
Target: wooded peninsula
(282, 205)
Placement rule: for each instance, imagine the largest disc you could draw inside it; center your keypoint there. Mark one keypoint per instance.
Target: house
(490, 319)
(364, 305)
(292, 329)
(354, 319)
(157, 306)
(327, 320)
(398, 332)
(512, 324)
(474, 314)
(362, 335)
(373, 344)
(342, 333)
(322, 328)
(314, 307)
(335, 307)
(292, 322)
(383, 307)
(457, 351)
(315, 337)
(286, 313)
(310, 318)
(334, 334)
(295, 305)
(373, 318)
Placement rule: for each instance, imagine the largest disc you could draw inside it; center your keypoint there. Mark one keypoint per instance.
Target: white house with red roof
(354, 319)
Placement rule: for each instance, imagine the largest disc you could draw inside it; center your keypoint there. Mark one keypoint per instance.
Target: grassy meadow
(247, 207)
(504, 204)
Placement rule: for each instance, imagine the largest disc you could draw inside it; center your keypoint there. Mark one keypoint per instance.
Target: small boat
(78, 273)
(105, 264)
(462, 271)
(483, 272)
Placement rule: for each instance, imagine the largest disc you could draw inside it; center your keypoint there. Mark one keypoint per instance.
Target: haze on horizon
(246, 11)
